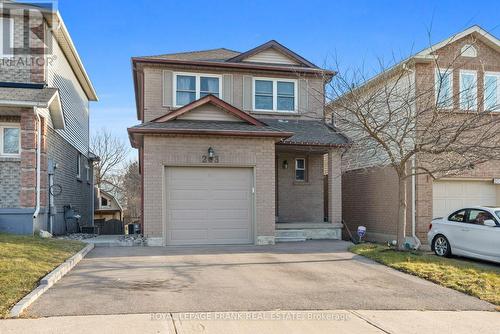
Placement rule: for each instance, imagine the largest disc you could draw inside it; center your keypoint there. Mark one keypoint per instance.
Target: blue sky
(108, 33)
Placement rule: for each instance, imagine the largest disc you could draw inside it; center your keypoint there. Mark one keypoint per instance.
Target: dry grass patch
(24, 260)
(477, 279)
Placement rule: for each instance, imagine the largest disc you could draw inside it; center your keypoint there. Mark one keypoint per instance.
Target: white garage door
(209, 205)
(451, 195)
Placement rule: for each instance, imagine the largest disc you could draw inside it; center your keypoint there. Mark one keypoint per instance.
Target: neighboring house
(232, 147)
(106, 206)
(370, 191)
(45, 165)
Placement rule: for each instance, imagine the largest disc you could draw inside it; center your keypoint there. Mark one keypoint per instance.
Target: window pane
(209, 86)
(263, 87)
(443, 89)
(300, 175)
(286, 103)
(300, 163)
(467, 91)
(185, 98)
(491, 92)
(263, 102)
(286, 88)
(185, 82)
(11, 140)
(458, 217)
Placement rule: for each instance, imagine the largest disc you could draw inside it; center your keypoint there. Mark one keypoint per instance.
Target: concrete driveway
(314, 275)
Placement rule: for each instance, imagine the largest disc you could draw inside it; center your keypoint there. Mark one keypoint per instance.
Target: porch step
(289, 235)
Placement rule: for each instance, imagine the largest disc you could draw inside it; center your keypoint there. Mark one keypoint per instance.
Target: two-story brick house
(370, 190)
(45, 163)
(232, 147)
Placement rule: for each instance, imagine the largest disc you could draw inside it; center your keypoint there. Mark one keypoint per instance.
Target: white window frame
(11, 34)
(108, 200)
(437, 77)
(275, 94)
(10, 126)
(303, 169)
(79, 166)
(197, 86)
(474, 73)
(491, 74)
(87, 172)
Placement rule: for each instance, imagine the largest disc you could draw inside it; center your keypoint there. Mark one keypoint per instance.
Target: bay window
(278, 95)
(189, 87)
(492, 91)
(10, 140)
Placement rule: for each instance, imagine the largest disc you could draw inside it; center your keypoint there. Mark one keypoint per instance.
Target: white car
(471, 232)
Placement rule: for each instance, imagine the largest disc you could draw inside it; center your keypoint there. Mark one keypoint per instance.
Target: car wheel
(441, 246)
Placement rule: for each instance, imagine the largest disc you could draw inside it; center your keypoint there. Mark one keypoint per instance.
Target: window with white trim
(468, 90)
(279, 95)
(87, 172)
(300, 169)
(189, 87)
(444, 88)
(105, 202)
(6, 36)
(79, 166)
(10, 140)
(492, 91)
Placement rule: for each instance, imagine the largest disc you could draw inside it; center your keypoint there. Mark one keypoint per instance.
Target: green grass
(476, 279)
(24, 260)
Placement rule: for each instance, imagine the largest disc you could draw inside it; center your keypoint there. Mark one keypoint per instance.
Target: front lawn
(477, 279)
(24, 261)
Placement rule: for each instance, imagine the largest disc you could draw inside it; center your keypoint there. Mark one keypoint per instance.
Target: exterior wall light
(211, 153)
(285, 164)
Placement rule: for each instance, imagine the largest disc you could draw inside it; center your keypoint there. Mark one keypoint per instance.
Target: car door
(452, 229)
(479, 239)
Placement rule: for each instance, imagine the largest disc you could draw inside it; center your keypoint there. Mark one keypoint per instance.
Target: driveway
(313, 275)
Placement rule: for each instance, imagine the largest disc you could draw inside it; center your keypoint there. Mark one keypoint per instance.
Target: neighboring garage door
(451, 195)
(209, 205)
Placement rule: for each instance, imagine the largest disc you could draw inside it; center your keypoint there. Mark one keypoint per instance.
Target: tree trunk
(403, 194)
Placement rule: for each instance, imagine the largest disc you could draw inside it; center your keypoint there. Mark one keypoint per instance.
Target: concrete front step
(307, 231)
(289, 235)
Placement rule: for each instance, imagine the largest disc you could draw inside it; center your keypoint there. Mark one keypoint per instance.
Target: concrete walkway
(289, 322)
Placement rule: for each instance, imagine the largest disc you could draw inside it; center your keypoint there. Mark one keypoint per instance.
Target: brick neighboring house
(370, 190)
(232, 147)
(44, 125)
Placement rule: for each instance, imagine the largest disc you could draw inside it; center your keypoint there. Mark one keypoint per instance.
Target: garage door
(209, 205)
(451, 195)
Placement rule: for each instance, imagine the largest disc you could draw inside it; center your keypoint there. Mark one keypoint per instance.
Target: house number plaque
(207, 159)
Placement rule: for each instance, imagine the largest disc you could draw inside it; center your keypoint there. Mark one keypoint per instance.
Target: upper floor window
(104, 202)
(275, 95)
(10, 139)
(6, 36)
(79, 166)
(492, 91)
(468, 90)
(300, 169)
(190, 87)
(444, 88)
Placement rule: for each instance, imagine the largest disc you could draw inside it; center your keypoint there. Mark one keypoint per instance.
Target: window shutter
(167, 88)
(227, 88)
(303, 96)
(247, 93)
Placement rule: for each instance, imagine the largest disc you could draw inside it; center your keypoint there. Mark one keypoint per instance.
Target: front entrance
(209, 205)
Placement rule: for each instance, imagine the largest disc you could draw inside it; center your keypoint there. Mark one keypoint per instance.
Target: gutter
(413, 205)
(38, 163)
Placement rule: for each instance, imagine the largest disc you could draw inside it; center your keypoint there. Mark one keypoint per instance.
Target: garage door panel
(209, 205)
(453, 195)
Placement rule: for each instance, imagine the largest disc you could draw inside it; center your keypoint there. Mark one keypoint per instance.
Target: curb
(49, 280)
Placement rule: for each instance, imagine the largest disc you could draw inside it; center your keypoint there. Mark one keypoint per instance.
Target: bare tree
(414, 124)
(113, 153)
(131, 189)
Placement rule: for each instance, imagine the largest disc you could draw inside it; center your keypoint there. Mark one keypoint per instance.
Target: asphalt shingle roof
(205, 125)
(32, 95)
(312, 132)
(219, 55)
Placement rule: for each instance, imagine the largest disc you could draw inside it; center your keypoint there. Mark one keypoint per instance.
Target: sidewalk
(289, 322)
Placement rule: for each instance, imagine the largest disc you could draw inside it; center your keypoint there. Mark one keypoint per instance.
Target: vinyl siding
(74, 101)
(271, 56)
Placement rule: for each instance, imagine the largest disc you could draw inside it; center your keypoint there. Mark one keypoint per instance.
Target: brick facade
(161, 151)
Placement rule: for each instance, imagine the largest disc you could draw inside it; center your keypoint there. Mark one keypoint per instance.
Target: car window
(458, 216)
(478, 216)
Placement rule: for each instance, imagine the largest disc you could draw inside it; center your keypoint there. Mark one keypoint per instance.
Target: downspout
(38, 164)
(413, 205)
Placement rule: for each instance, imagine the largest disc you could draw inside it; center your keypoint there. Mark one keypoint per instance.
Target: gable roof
(272, 44)
(220, 54)
(210, 99)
